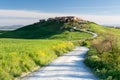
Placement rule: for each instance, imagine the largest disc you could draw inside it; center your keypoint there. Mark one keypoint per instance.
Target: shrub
(106, 44)
(104, 58)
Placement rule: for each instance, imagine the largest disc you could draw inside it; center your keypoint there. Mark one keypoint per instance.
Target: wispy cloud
(94, 7)
(9, 17)
(26, 14)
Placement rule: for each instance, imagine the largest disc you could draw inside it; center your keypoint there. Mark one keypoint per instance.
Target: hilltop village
(63, 19)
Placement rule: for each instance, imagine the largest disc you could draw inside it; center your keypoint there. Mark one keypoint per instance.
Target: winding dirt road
(67, 67)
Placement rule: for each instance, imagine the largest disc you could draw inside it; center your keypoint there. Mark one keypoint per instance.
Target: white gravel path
(94, 34)
(67, 67)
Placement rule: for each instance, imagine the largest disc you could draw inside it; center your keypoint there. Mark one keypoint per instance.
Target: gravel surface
(67, 67)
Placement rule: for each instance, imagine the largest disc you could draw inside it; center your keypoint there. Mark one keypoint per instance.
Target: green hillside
(37, 30)
(46, 30)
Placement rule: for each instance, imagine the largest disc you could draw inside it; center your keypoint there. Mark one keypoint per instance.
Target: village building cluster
(62, 19)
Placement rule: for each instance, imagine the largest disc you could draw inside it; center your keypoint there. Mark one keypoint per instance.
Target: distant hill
(45, 28)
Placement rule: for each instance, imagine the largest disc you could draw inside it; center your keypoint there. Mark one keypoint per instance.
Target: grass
(19, 56)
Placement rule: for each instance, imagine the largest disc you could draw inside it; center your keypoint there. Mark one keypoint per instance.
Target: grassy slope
(103, 30)
(103, 64)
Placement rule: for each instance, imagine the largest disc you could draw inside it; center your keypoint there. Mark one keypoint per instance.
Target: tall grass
(20, 56)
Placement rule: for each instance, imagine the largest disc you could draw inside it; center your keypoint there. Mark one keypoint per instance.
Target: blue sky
(29, 11)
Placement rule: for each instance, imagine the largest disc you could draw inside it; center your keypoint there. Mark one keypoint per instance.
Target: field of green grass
(19, 56)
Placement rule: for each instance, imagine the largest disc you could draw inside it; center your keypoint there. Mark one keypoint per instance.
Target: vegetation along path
(67, 67)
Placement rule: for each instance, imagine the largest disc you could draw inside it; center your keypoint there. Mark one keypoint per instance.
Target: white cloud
(94, 7)
(9, 17)
(102, 19)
